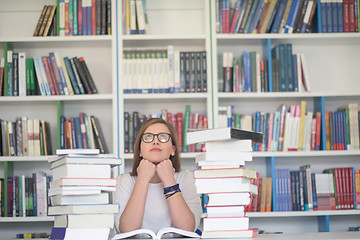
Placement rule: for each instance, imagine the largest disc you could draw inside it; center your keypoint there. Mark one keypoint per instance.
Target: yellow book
(301, 128)
(327, 126)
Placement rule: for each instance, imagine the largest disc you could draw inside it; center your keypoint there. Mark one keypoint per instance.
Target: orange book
(318, 131)
(268, 194)
(67, 20)
(263, 194)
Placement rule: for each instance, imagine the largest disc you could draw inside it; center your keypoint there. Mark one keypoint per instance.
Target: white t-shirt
(157, 214)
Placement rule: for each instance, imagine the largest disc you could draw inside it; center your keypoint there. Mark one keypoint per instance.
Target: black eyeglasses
(162, 137)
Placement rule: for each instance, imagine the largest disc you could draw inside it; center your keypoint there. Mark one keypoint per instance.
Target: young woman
(156, 194)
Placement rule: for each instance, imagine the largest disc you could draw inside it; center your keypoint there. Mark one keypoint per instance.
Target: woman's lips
(155, 150)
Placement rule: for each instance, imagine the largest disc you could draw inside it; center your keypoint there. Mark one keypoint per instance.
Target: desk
(312, 236)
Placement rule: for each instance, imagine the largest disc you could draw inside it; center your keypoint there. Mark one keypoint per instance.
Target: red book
(313, 134)
(80, 26)
(48, 74)
(341, 189)
(67, 20)
(318, 131)
(235, 16)
(179, 129)
(53, 77)
(1, 78)
(337, 188)
(256, 197)
(351, 10)
(346, 187)
(351, 187)
(93, 17)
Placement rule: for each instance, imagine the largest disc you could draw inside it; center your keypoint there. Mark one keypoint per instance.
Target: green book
(186, 127)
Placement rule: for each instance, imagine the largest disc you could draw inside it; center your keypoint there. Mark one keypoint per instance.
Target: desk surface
(312, 236)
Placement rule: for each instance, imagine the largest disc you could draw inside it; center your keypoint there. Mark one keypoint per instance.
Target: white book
(170, 68)
(140, 17)
(305, 73)
(78, 151)
(164, 71)
(143, 72)
(168, 232)
(217, 134)
(213, 186)
(224, 172)
(287, 131)
(101, 198)
(23, 191)
(39, 75)
(222, 116)
(223, 156)
(62, 17)
(43, 76)
(61, 73)
(228, 199)
(132, 16)
(84, 159)
(177, 71)
(81, 171)
(66, 75)
(30, 133)
(36, 137)
(69, 192)
(220, 163)
(80, 233)
(90, 133)
(22, 74)
(81, 189)
(226, 211)
(229, 224)
(86, 182)
(83, 209)
(85, 221)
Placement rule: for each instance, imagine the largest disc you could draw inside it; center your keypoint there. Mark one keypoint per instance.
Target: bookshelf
(180, 32)
(99, 52)
(331, 60)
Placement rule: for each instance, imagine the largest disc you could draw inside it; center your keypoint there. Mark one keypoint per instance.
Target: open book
(168, 232)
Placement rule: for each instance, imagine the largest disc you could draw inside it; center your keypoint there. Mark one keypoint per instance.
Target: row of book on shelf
(80, 194)
(134, 17)
(294, 128)
(23, 196)
(44, 75)
(25, 137)
(303, 190)
(287, 16)
(82, 132)
(164, 70)
(76, 17)
(182, 123)
(250, 73)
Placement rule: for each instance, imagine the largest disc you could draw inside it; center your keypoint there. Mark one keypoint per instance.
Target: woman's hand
(146, 170)
(165, 171)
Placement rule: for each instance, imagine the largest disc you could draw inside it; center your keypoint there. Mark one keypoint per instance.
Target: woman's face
(157, 151)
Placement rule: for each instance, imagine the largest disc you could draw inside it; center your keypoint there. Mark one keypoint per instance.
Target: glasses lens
(148, 137)
(164, 137)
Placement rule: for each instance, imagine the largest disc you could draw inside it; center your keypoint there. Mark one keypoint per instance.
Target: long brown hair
(174, 159)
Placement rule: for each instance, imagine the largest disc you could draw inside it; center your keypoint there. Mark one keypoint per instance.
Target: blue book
(272, 18)
(334, 14)
(71, 75)
(289, 67)
(56, 73)
(257, 15)
(78, 136)
(292, 16)
(288, 185)
(323, 7)
(340, 19)
(34, 194)
(329, 17)
(240, 16)
(257, 128)
(343, 129)
(313, 184)
(247, 72)
(276, 130)
(278, 52)
(278, 17)
(295, 73)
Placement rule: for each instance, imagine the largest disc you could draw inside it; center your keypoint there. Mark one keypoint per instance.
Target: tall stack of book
(221, 175)
(79, 194)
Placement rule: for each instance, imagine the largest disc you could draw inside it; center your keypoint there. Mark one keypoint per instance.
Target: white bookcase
(333, 61)
(17, 23)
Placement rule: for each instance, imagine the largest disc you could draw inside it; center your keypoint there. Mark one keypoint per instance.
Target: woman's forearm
(132, 216)
(181, 215)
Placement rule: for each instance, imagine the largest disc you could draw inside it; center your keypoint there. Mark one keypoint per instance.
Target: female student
(156, 194)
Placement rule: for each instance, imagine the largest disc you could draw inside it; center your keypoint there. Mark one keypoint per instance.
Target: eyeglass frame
(157, 136)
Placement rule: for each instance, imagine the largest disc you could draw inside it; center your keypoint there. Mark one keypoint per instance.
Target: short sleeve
(192, 198)
(124, 187)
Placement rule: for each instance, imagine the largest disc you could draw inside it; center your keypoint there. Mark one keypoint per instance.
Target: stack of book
(79, 194)
(228, 184)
